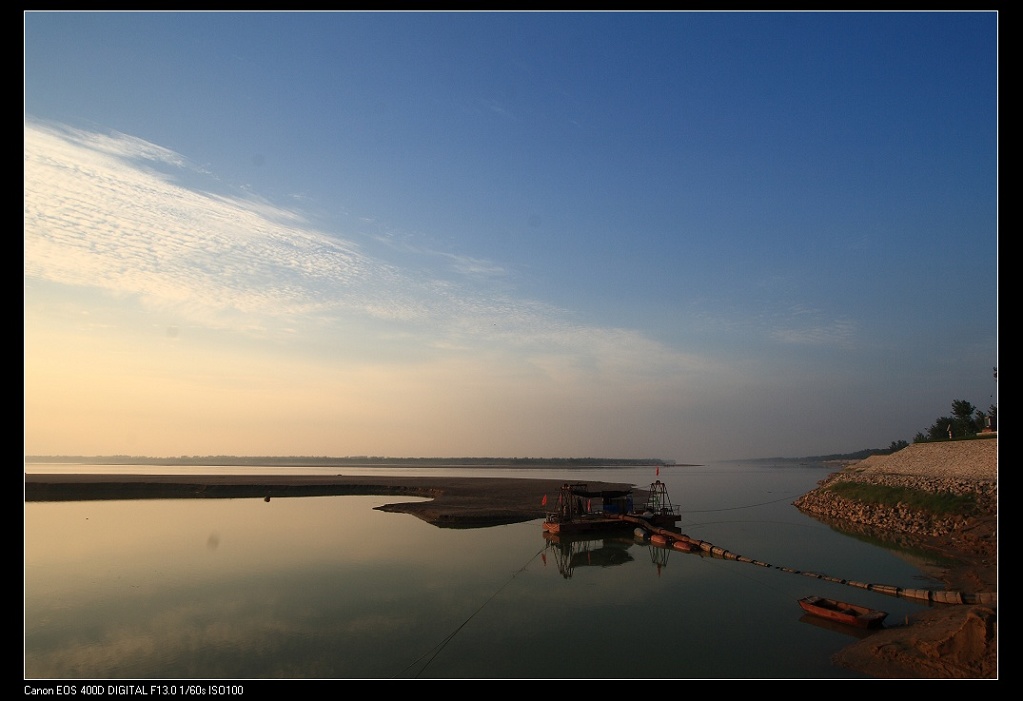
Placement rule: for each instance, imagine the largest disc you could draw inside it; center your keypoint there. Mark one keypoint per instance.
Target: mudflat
(455, 502)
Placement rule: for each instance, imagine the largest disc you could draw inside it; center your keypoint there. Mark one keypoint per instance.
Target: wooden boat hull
(842, 612)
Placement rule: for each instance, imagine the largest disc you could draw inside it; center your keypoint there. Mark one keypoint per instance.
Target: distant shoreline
(351, 461)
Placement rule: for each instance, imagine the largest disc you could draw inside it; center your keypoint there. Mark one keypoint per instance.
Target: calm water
(328, 588)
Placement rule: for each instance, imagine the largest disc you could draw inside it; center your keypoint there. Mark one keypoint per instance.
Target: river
(329, 588)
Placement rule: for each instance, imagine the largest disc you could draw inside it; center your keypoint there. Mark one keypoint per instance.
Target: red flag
(543, 502)
(658, 469)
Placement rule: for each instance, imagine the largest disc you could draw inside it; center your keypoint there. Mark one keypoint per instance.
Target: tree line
(966, 420)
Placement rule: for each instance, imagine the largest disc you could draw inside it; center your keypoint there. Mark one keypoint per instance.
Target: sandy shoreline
(456, 502)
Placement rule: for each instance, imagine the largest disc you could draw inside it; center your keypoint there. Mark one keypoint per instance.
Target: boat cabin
(577, 500)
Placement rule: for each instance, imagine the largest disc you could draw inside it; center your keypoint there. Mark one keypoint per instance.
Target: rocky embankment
(960, 468)
(959, 641)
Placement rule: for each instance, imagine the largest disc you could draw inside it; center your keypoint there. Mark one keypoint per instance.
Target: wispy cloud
(834, 334)
(804, 325)
(431, 352)
(95, 218)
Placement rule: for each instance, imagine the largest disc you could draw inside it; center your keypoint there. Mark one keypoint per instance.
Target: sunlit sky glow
(691, 236)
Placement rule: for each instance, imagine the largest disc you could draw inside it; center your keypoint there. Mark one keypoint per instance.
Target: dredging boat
(580, 510)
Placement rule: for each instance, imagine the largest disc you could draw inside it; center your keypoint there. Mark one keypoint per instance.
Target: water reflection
(329, 587)
(835, 627)
(570, 553)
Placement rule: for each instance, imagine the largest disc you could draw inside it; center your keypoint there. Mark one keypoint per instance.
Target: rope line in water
(436, 650)
(951, 597)
(736, 508)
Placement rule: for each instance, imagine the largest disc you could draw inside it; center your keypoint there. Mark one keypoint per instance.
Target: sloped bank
(965, 469)
(824, 501)
(953, 641)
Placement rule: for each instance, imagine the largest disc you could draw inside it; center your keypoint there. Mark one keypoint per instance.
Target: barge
(580, 511)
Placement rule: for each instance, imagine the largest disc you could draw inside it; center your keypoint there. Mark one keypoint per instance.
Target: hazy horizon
(526, 459)
(694, 235)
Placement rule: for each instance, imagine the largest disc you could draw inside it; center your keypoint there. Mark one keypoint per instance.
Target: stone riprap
(958, 467)
(970, 459)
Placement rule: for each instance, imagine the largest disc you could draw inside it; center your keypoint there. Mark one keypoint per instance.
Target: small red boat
(842, 612)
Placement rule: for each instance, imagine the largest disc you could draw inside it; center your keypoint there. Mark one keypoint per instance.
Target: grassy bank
(938, 503)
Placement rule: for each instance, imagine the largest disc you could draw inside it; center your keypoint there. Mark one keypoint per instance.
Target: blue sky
(691, 236)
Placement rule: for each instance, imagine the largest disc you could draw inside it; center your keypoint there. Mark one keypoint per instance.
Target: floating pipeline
(664, 537)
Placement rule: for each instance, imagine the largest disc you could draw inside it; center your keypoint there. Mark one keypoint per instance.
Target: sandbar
(455, 502)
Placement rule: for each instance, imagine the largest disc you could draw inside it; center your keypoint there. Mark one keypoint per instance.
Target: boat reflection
(570, 552)
(836, 627)
(658, 554)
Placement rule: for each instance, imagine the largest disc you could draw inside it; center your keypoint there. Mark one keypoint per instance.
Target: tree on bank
(966, 420)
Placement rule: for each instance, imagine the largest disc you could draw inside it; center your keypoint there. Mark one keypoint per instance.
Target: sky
(692, 236)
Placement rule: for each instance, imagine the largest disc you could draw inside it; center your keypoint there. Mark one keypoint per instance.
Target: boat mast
(657, 501)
